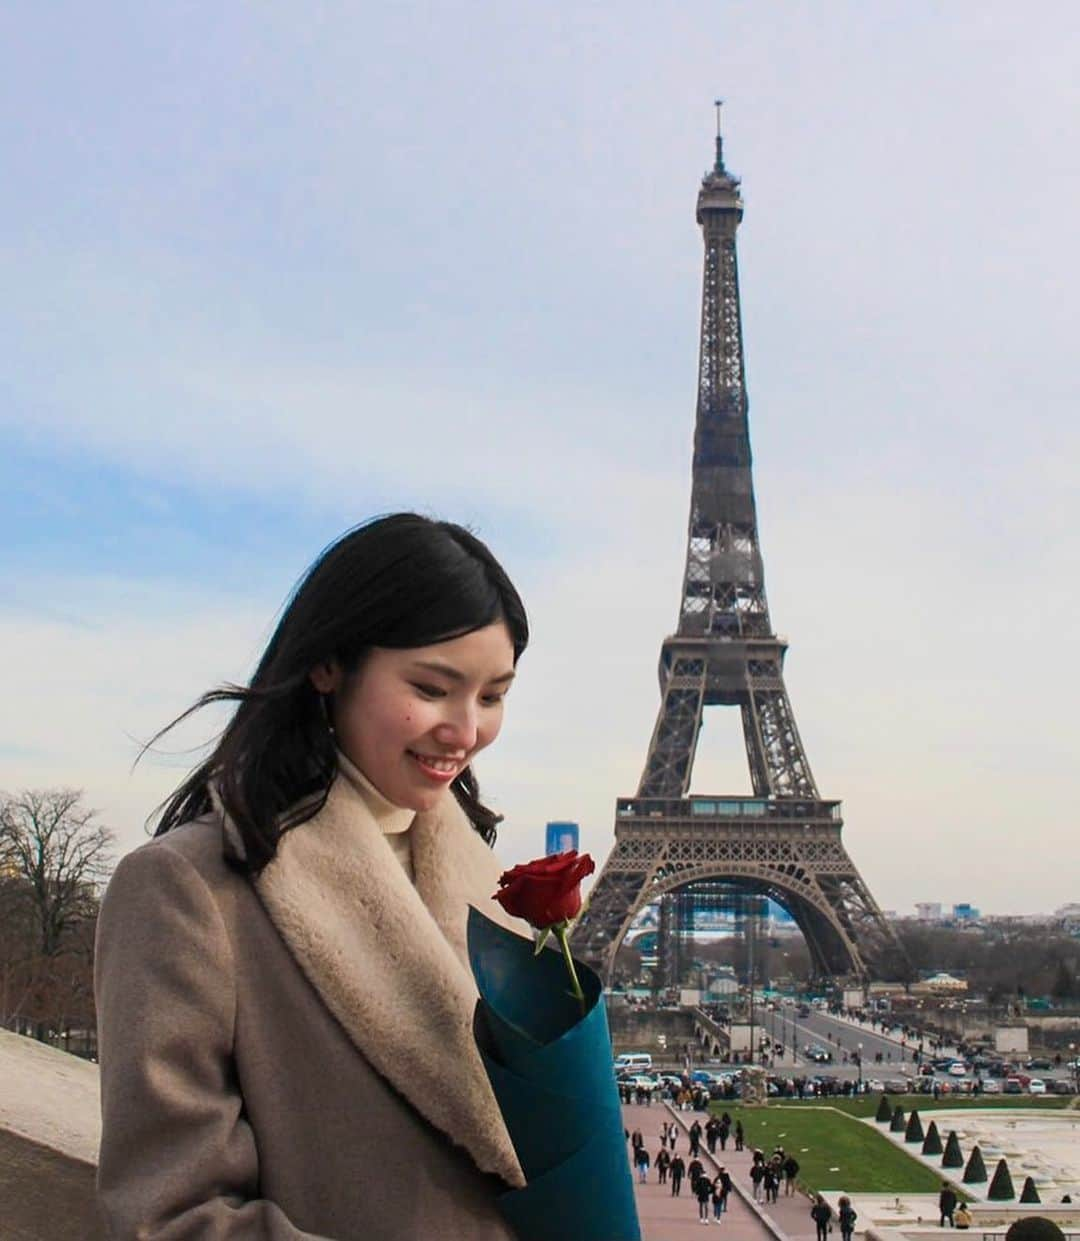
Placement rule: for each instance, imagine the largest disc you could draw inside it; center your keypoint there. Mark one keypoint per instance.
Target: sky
(269, 270)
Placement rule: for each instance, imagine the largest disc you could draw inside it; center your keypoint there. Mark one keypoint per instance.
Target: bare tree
(52, 846)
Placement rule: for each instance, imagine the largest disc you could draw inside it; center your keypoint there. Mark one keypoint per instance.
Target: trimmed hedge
(932, 1142)
(953, 1157)
(884, 1111)
(1029, 1193)
(914, 1131)
(975, 1172)
(1001, 1187)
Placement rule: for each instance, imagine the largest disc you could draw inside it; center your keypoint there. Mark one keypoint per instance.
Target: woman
(284, 999)
(821, 1214)
(847, 1216)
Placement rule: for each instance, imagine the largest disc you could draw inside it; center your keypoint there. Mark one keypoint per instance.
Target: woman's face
(412, 719)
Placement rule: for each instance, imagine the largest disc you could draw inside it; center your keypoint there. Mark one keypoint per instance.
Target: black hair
(398, 581)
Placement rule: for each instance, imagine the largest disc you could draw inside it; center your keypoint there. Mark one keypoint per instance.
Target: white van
(634, 1061)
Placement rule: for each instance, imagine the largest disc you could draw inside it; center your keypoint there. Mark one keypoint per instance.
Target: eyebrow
(452, 674)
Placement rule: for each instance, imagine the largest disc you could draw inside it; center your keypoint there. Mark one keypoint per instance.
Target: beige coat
(293, 1058)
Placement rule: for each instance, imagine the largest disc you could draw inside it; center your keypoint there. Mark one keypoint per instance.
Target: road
(840, 1036)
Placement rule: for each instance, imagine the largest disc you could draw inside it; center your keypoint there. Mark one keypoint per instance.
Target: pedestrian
(963, 1217)
(847, 1216)
(710, 1134)
(662, 1162)
(641, 1160)
(718, 1203)
(703, 1193)
(757, 1175)
(695, 1138)
(791, 1171)
(677, 1170)
(636, 1140)
(769, 1181)
(739, 1135)
(663, 1133)
(946, 1204)
(723, 1130)
(294, 935)
(821, 1214)
(694, 1170)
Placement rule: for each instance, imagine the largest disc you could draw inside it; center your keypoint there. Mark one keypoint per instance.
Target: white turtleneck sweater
(394, 821)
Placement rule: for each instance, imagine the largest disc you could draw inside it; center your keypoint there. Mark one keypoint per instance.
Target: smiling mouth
(437, 765)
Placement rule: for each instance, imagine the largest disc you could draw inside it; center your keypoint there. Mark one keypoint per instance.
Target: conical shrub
(898, 1120)
(932, 1142)
(913, 1132)
(884, 1111)
(975, 1172)
(1001, 1186)
(1029, 1193)
(953, 1157)
(1034, 1228)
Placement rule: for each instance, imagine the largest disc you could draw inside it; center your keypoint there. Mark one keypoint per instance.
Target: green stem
(575, 986)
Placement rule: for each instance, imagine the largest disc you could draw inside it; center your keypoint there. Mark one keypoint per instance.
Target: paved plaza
(1040, 1143)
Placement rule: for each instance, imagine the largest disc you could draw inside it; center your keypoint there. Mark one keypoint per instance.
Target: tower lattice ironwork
(784, 840)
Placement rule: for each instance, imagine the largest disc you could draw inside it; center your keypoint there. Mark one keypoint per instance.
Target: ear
(326, 677)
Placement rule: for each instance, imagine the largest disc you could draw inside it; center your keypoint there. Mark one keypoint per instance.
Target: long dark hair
(398, 581)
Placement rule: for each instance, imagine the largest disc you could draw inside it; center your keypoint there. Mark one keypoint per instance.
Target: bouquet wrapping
(548, 1058)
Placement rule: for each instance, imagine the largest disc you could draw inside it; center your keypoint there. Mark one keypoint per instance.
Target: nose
(459, 727)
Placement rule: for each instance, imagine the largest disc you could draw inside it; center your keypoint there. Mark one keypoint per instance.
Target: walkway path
(664, 1218)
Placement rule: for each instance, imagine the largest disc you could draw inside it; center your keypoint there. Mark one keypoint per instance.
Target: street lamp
(1075, 1065)
(859, 1046)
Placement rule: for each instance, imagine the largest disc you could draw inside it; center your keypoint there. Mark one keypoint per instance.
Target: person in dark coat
(770, 1182)
(641, 1162)
(636, 1140)
(821, 1214)
(739, 1135)
(695, 1168)
(723, 1130)
(791, 1171)
(703, 1193)
(662, 1162)
(757, 1175)
(847, 1216)
(720, 1188)
(695, 1138)
(677, 1170)
(946, 1204)
(711, 1127)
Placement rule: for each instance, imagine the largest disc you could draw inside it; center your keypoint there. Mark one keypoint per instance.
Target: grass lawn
(834, 1151)
(867, 1105)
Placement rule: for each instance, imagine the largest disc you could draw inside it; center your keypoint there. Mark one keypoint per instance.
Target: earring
(323, 699)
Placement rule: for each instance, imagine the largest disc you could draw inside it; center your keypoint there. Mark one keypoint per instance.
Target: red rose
(545, 891)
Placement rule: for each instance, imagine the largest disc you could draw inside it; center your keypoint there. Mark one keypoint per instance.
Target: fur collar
(389, 959)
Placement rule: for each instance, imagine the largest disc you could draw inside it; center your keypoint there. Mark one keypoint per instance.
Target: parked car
(1036, 1086)
(1012, 1085)
(991, 1087)
(1059, 1085)
(897, 1085)
(1039, 1062)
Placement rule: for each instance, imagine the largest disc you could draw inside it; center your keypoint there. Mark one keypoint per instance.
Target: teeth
(437, 764)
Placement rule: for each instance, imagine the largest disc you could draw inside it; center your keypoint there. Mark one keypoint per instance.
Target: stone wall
(50, 1126)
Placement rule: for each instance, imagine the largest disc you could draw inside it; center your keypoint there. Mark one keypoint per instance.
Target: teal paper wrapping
(550, 1069)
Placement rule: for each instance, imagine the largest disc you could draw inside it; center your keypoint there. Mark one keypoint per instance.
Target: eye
(493, 700)
(429, 691)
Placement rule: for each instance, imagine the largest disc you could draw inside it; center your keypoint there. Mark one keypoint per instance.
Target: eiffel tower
(783, 842)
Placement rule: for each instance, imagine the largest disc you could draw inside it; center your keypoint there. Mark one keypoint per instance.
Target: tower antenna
(719, 140)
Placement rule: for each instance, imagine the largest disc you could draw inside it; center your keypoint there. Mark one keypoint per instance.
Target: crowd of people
(767, 1174)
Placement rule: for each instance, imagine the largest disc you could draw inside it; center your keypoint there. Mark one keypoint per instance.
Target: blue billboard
(560, 837)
